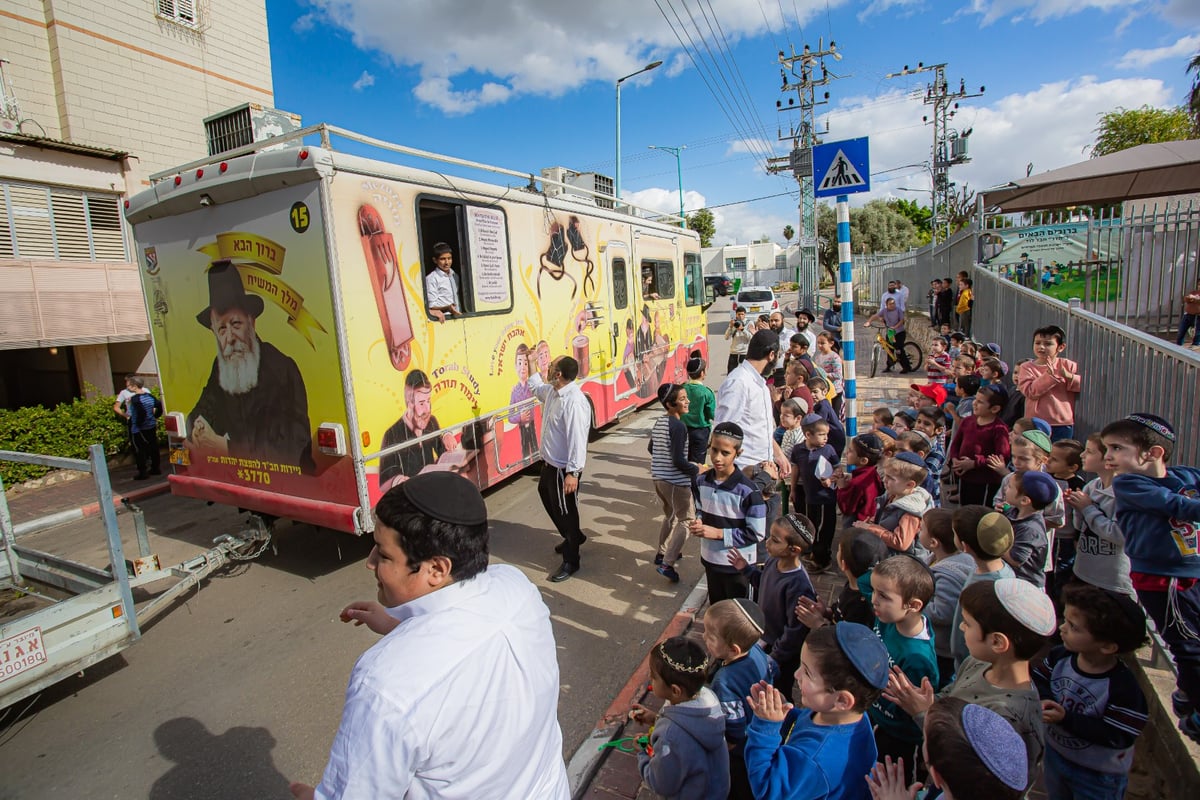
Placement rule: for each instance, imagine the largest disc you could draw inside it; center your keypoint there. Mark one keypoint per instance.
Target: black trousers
(901, 338)
(698, 444)
(563, 510)
(725, 584)
(145, 451)
(977, 494)
(824, 518)
(733, 360)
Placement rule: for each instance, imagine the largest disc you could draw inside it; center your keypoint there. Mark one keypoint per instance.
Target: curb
(90, 510)
(585, 762)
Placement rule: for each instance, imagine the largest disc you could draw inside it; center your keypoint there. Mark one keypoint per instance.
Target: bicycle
(885, 344)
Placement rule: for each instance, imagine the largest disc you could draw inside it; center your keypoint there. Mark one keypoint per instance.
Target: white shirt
(442, 289)
(745, 399)
(566, 421)
(460, 700)
(900, 296)
(785, 341)
(808, 333)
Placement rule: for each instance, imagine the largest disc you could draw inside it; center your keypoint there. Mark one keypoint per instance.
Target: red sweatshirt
(857, 500)
(975, 441)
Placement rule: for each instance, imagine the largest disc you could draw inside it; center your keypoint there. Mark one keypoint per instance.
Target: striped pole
(846, 292)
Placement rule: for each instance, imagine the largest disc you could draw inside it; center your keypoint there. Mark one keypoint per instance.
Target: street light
(647, 68)
(675, 151)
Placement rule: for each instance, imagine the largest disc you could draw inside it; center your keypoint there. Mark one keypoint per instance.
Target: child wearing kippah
(687, 757)
(858, 553)
(1006, 623)
(1158, 509)
(731, 511)
(778, 586)
(1092, 704)
(971, 751)
(732, 629)
(673, 474)
(986, 536)
(951, 568)
(824, 748)
(1027, 495)
(858, 484)
(702, 410)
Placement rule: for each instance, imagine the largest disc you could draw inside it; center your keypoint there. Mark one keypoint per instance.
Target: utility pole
(949, 146)
(803, 136)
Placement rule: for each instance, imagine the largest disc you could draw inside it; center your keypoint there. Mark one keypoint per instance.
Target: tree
(702, 222)
(920, 215)
(960, 211)
(1123, 128)
(874, 228)
(1194, 94)
(788, 233)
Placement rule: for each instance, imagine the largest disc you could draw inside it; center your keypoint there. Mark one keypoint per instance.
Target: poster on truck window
(243, 328)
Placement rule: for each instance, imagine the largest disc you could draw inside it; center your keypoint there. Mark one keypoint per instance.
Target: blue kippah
(1041, 425)
(909, 458)
(865, 651)
(997, 744)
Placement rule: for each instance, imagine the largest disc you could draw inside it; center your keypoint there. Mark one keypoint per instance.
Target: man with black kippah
(459, 699)
(566, 421)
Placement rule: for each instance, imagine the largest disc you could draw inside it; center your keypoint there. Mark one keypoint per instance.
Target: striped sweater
(736, 507)
(668, 452)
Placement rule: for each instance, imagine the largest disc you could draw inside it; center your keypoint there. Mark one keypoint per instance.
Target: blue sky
(527, 84)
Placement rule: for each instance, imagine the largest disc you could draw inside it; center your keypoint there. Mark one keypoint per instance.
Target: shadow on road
(206, 765)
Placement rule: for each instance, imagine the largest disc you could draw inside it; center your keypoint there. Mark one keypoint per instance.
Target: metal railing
(1131, 265)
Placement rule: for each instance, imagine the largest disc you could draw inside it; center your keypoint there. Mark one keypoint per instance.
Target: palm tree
(1194, 95)
(788, 233)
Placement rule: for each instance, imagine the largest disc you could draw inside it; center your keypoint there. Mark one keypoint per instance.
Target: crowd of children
(973, 648)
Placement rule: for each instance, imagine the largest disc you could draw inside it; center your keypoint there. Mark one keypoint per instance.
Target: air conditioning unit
(247, 124)
(591, 181)
(559, 174)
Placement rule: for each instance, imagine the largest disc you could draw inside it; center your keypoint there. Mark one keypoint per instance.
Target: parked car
(719, 283)
(756, 300)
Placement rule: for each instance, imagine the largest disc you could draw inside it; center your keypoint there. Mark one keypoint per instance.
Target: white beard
(237, 366)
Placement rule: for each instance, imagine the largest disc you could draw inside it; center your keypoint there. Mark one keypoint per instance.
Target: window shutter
(70, 226)
(6, 236)
(185, 11)
(108, 231)
(31, 221)
(166, 8)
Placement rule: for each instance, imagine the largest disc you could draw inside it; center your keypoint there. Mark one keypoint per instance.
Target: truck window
(693, 279)
(471, 241)
(620, 284)
(658, 279)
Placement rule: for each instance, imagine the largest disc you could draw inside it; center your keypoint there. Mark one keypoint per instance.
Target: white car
(756, 300)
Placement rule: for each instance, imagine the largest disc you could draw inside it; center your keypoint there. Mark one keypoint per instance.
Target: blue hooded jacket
(691, 759)
(1160, 518)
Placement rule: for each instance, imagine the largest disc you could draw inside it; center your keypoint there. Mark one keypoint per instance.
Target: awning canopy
(1148, 170)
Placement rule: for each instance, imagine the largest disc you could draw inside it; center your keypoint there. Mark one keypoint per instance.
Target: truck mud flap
(323, 513)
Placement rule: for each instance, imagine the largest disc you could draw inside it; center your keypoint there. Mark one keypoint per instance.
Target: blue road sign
(841, 168)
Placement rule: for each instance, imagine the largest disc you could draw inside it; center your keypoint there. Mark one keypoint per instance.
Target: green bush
(66, 431)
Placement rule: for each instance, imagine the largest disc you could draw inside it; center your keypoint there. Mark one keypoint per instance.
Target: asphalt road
(239, 688)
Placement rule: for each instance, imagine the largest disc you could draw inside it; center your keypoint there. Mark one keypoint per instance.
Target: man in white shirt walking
(441, 285)
(459, 699)
(566, 421)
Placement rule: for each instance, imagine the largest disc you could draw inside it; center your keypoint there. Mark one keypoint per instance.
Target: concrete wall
(114, 75)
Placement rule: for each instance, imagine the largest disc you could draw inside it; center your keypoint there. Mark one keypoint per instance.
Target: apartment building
(95, 98)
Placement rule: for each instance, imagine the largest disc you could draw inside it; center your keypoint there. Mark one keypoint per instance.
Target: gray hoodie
(949, 576)
(1100, 551)
(691, 759)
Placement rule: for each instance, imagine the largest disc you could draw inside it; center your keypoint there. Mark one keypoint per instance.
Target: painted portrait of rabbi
(254, 404)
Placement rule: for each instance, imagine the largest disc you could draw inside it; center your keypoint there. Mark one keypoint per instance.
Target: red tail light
(774, 304)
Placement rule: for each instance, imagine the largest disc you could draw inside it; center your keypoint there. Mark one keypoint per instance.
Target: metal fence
(1123, 370)
(915, 268)
(1131, 267)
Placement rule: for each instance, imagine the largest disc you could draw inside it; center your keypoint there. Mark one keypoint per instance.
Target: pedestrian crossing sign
(841, 168)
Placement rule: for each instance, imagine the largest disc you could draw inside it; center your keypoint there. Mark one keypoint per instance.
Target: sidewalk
(66, 495)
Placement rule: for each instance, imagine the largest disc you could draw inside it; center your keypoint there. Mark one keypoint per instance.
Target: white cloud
(364, 81)
(304, 23)
(469, 54)
(1183, 48)
(737, 224)
(1040, 10)
(752, 146)
(880, 6)
(1047, 127)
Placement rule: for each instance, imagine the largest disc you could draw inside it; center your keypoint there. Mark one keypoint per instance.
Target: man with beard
(804, 321)
(784, 335)
(417, 421)
(254, 404)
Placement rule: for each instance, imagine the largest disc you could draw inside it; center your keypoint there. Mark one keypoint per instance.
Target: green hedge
(66, 431)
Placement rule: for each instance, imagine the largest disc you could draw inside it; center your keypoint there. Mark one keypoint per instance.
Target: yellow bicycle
(885, 345)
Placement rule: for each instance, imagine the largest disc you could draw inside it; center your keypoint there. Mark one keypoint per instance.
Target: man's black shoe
(564, 572)
(558, 548)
